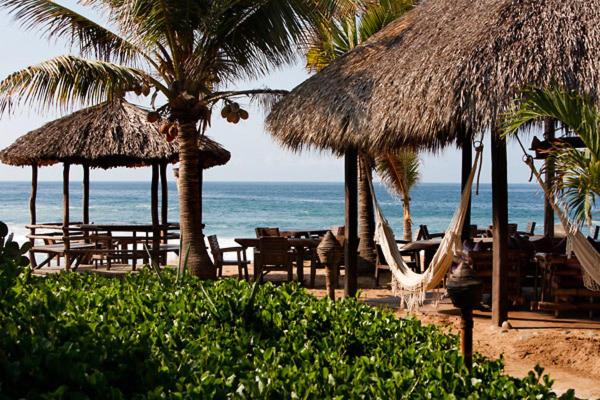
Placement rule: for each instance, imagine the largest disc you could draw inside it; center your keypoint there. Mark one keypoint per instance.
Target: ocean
(234, 209)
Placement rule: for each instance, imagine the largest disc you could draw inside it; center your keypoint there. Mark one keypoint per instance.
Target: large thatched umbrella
(445, 69)
(112, 134)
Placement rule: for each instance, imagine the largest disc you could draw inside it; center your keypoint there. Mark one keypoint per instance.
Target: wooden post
(467, 164)
(154, 211)
(86, 194)
(33, 210)
(549, 126)
(164, 203)
(500, 228)
(351, 228)
(66, 239)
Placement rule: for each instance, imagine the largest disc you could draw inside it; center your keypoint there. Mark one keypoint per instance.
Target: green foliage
(76, 336)
(12, 259)
(350, 26)
(577, 180)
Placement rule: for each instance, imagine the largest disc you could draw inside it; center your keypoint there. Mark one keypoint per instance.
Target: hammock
(407, 284)
(577, 243)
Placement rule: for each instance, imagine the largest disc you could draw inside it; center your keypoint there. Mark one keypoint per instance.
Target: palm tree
(332, 39)
(186, 52)
(577, 181)
(400, 173)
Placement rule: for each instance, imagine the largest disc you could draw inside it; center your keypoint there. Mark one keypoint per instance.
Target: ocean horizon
(234, 209)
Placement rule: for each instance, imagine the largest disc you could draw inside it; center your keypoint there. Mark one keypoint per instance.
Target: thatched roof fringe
(446, 67)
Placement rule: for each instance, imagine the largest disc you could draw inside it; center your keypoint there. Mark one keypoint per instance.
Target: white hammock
(407, 284)
(577, 243)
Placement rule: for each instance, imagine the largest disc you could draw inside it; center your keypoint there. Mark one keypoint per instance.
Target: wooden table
(299, 244)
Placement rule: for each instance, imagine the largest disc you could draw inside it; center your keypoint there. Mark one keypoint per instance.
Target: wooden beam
(154, 212)
(86, 194)
(164, 204)
(500, 228)
(33, 210)
(65, 227)
(467, 164)
(549, 125)
(351, 223)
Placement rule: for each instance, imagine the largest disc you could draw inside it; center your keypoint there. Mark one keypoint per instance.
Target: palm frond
(55, 21)
(399, 171)
(577, 181)
(68, 80)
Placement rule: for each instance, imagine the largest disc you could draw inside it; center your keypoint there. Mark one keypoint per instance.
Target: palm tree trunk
(366, 218)
(407, 218)
(190, 213)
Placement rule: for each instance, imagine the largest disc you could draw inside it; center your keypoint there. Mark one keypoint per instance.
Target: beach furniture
(219, 253)
(382, 265)
(424, 234)
(267, 232)
(273, 254)
(563, 288)
(596, 234)
(529, 229)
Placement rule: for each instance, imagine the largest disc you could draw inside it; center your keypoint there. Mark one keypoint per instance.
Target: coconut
(235, 107)
(173, 130)
(170, 138)
(244, 114)
(236, 118)
(231, 117)
(146, 90)
(153, 117)
(138, 90)
(226, 111)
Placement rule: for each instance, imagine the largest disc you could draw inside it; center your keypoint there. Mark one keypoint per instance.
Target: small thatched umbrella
(112, 134)
(445, 69)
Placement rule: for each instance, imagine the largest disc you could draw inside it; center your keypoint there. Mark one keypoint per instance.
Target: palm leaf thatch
(112, 134)
(444, 68)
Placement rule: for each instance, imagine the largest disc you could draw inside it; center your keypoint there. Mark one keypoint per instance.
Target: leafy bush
(77, 336)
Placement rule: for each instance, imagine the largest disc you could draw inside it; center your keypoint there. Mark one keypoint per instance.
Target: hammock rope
(577, 243)
(411, 286)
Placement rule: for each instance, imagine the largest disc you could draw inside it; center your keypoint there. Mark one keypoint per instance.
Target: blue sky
(255, 157)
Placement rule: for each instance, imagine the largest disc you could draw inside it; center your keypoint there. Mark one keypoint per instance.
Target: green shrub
(75, 336)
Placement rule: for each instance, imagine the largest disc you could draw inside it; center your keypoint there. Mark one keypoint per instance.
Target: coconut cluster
(233, 113)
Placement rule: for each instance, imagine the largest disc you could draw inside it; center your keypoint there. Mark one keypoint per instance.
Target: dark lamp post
(330, 254)
(464, 288)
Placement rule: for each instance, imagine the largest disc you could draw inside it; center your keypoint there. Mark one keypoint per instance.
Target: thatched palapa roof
(443, 68)
(112, 134)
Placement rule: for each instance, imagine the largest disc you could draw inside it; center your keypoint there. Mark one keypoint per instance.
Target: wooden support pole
(154, 212)
(66, 221)
(33, 210)
(351, 217)
(86, 194)
(164, 203)
(549, 126)
(467, 164)
(500, 229)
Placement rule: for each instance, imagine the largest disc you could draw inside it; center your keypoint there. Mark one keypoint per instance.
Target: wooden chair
(596, 235)
(423, 233)
(482, 264)
(218, 254)
(267, 232)
(273, 254)
(529, 229)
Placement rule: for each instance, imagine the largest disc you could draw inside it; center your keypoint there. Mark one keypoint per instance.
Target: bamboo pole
(164, 204)
(154, 212)
(467, 164)
(351, 227)
(65, 227)
(33, 210)
(86, 194)
(500, 229)
(549, 125)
